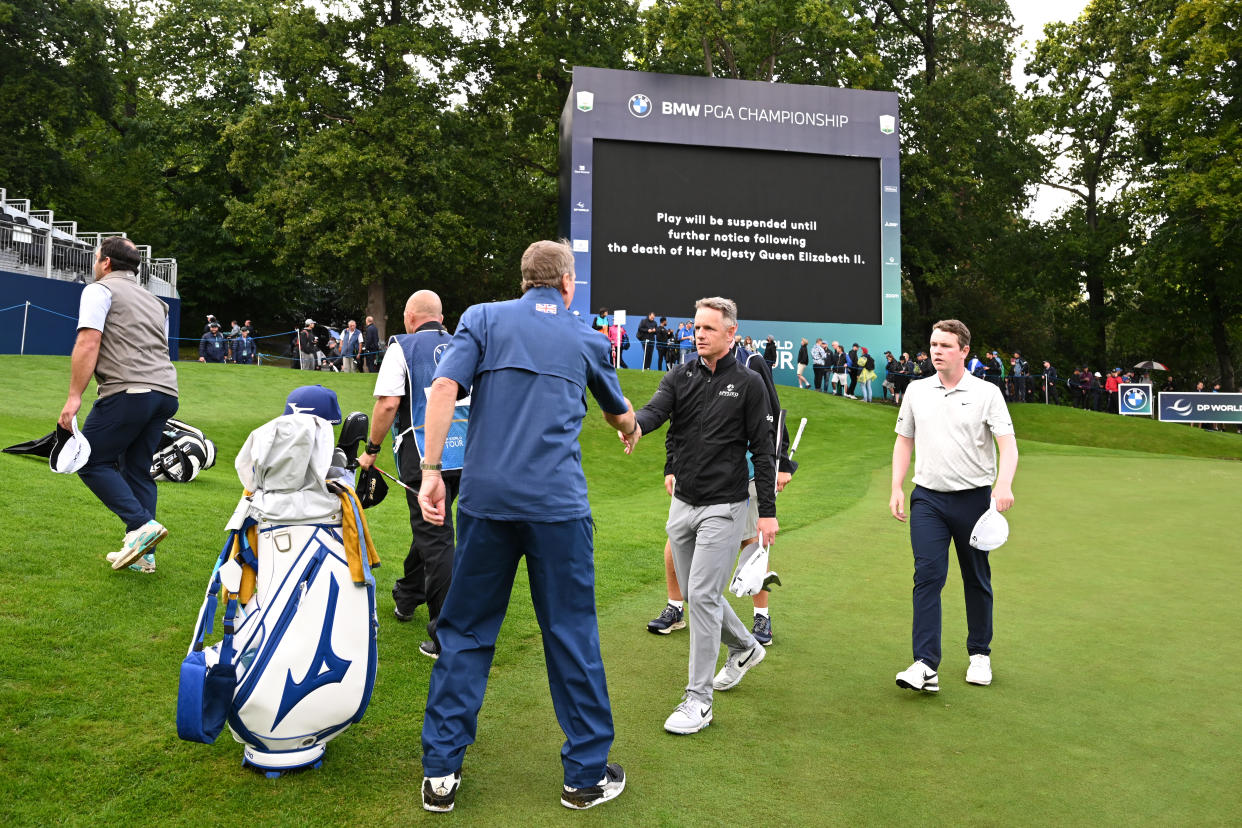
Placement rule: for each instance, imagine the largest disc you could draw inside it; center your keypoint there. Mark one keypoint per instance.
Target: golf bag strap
(207, 613)
(356, 535)
(162, 460)
(240, 547)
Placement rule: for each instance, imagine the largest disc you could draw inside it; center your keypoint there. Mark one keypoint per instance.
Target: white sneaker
(440, 792)
(980, 670)
(145, 564)
(691, 716)
(736, 666)
(918, 676)
(138, 543)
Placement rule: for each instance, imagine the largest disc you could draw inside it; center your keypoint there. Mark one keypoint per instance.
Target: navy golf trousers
(935, 519)
(123, 431)
(561, 567)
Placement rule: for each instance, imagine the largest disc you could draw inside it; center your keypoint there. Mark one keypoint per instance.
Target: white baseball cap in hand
(70, 451)
(991, 530)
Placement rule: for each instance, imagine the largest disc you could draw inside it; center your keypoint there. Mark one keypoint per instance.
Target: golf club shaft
(395, 480)
(797, 438)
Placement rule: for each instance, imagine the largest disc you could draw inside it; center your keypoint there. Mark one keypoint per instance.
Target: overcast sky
(1032, 16)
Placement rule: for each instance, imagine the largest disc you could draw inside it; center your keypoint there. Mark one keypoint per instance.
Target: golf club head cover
(355, 429)
(371, 488)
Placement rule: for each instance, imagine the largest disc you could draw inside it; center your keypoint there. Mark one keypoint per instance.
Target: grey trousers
(705, 542)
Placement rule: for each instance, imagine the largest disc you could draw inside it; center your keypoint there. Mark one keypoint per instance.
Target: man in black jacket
(719, 410)
(370, 345)
(646, 338)
(854, 368)
(664, 343)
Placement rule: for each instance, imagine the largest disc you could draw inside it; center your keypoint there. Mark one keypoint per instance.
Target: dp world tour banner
(1200, 407)
(782, 197)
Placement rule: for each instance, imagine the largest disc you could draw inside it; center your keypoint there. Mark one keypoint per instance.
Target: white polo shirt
(953, 431)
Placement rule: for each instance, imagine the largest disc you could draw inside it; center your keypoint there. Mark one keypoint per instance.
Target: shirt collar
(430, 325)
(966, 383)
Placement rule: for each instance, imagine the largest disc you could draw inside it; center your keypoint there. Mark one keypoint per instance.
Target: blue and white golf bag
(297, 661)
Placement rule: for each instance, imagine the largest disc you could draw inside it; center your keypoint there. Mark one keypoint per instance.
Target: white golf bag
(297, 661)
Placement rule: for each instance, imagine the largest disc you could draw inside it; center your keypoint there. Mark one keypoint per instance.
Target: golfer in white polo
(948, 421)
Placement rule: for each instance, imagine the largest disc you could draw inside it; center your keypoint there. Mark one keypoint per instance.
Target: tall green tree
(966, 157)
(54, 78)
(1188, 86)
(1080, 100)
(792, 41)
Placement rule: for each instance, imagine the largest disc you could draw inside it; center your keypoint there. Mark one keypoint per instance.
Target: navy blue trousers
(561, 566)
(123, 431)
(935, 519)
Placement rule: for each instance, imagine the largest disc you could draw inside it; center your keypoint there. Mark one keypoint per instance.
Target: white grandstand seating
(32, 242)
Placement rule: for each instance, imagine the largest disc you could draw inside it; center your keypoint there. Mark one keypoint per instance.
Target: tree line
(321, 158)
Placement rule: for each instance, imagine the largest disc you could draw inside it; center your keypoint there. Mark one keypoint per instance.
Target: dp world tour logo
(640, 105)
(1181, 408)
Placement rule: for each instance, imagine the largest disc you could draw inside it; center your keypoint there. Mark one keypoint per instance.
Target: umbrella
(1150, 365)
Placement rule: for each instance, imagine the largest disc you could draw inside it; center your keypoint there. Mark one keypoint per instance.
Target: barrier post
(25, 316)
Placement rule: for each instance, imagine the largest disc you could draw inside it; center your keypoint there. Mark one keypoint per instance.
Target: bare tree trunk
(375, 307)
(1220, 338)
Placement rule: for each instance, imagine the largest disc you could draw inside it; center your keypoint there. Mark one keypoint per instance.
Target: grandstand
(45, 265)
(33, 243)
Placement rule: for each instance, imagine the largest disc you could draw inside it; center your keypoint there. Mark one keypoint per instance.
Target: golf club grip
(797, 438)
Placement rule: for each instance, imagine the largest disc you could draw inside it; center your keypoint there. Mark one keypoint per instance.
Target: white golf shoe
(691, 716)
(736, 666)
(980, 670)
(139, 542)
(918, 676)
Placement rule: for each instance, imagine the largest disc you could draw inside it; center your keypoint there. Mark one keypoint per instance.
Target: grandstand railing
(45, 251)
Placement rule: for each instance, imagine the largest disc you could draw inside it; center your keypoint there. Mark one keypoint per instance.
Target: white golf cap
(70, 451)
(991, 530)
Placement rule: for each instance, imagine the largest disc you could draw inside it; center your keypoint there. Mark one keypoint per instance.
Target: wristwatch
(431, 466)
(373, 448)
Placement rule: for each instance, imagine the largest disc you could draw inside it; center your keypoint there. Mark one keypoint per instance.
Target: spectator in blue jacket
(212, 347)
(685, 340)
(243, 348)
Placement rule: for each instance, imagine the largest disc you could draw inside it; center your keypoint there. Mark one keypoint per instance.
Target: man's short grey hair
(727, 308)
(545, 262)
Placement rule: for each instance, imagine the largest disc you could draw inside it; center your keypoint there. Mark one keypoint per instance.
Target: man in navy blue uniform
(523, 493)
(406, 373)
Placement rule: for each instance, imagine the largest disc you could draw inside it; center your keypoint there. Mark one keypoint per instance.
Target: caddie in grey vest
(123, 341)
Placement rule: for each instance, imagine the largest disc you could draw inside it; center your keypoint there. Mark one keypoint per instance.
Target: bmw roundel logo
(1136, 398)
(439, 352)
(640, 105)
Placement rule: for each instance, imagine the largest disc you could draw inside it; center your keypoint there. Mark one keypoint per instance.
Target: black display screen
(788, 236)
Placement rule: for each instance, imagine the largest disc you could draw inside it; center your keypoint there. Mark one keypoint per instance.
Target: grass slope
(1116, 649)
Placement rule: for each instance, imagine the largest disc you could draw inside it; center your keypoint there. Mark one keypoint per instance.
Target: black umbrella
(1151, 365)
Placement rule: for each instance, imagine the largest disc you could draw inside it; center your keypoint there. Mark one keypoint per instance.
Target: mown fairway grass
(1116, 654)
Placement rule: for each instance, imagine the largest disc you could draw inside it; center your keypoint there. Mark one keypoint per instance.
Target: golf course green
(1117, 650)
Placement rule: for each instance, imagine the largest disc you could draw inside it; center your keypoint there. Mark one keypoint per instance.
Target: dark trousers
(854, 372)
(561, 567)
(935, 519)
(819, 371)
(123, 431)
(429, 563)
(649, 348)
